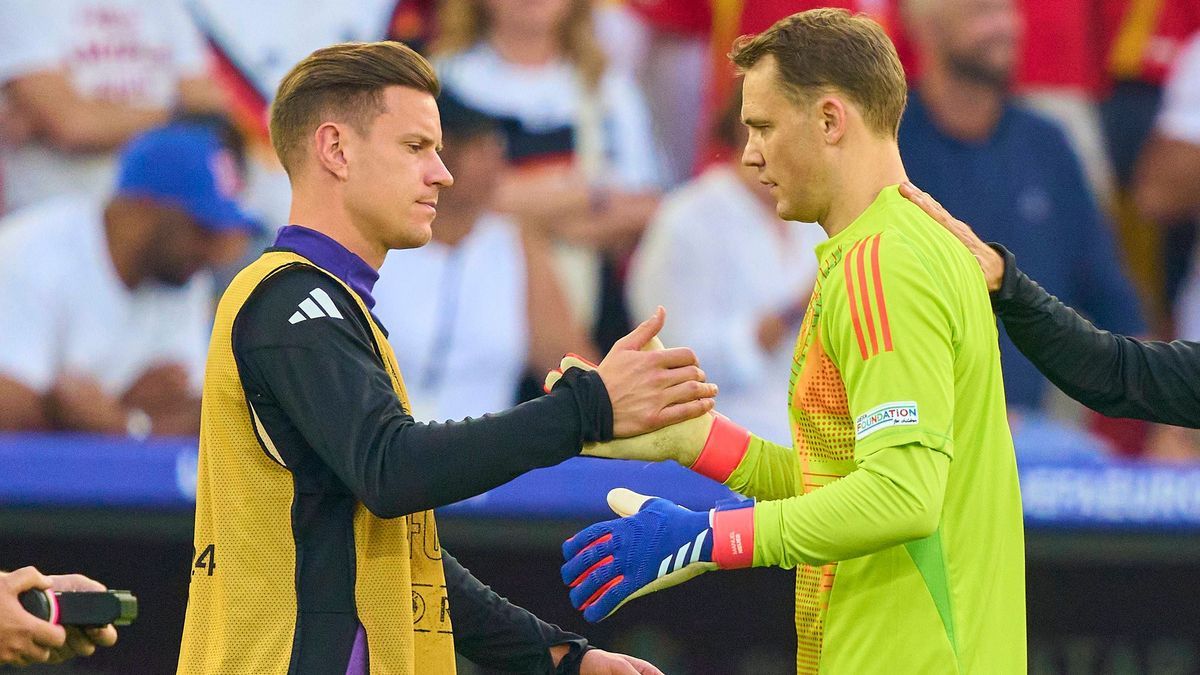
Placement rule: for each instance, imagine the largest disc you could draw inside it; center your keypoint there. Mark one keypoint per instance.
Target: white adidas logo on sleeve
(323, 306)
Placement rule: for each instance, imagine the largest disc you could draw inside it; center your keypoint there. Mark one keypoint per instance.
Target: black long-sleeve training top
(327, 403)
(1114, 375)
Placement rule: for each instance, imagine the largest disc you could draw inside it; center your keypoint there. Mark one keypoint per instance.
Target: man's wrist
(1008, 279)
(568, 656)
(595, 408)
(733, 533)
(723, 450)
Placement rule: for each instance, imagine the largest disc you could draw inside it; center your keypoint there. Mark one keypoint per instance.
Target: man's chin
(415, 239)
(787, 211)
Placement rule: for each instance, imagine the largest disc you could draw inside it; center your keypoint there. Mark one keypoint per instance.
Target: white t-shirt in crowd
(68, 312)
(457, 318)
(605, 134)
(132, 52)
(715, 257)
(552, 96)
(1179, 116)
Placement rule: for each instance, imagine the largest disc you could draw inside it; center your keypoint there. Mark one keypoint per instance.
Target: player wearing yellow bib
(898, 505)
(316, 547)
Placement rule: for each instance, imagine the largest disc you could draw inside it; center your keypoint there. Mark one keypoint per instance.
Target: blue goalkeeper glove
(655, 545)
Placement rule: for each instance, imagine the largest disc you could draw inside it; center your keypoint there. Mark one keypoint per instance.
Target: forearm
(181, 419)
(201, 94)
(494, 633)
(894, 497)
(21, 408)
(320, 388)
(106, 126)
(1112, 374)
(767, 472)
(399, 466)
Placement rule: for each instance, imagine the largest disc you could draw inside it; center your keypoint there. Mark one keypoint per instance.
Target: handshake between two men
(656, 544)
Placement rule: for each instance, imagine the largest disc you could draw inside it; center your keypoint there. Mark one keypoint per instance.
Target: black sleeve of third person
(324, 376)
(1114, 375)
(494, 633)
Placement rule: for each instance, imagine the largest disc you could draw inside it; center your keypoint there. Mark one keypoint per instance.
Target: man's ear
(832, 116)
(331, 141)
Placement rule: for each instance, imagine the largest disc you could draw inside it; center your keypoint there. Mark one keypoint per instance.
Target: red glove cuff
(733, 537)
(723, 451)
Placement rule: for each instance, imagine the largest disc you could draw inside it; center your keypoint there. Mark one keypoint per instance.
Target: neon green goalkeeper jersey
(899, 505)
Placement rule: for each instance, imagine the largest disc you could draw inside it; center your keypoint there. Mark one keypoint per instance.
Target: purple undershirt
(331, 256)
(328, 254)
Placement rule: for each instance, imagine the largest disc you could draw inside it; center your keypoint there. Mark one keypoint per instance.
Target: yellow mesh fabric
(241, 610)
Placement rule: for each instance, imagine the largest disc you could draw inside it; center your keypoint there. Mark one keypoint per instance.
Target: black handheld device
(81, 608)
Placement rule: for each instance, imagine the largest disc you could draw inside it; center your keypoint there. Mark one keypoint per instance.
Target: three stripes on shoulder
(318, 304)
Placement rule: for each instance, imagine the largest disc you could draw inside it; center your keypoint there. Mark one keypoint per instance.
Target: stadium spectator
(25, 639)
(579, 136)
(735, 278)
(82, 77)
(1139, 40)
(479, 270)
(666, 47)
(1167, 178)
(113, 296)
(1009, 172)
(1059, 75)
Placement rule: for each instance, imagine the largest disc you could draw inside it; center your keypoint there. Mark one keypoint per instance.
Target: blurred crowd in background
(596, 152)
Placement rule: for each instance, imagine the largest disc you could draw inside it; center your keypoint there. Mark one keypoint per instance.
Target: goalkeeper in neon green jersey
(898, 505)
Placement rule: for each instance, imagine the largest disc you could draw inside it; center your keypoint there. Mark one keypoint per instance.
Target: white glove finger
(626, 502)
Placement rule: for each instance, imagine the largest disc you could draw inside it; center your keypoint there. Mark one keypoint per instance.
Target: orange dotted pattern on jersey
(823, 436)
(813, 585)
(822, 429)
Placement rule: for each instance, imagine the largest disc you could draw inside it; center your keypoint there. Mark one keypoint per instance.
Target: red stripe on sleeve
(884, 327)
(862, 343)
(864, 288)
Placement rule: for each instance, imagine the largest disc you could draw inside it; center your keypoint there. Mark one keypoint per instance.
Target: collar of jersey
(326, 253)
(862, 226)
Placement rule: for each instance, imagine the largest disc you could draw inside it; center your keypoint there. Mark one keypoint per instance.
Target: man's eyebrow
(752, 121)
(423, 139)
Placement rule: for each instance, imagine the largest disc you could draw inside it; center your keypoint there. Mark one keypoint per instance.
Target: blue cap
(186, 165)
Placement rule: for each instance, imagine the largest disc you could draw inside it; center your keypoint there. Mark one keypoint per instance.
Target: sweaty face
(785, 145)
(394, 172)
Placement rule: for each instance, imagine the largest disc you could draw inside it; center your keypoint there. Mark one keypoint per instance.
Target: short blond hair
(833, 49)
(343, 82)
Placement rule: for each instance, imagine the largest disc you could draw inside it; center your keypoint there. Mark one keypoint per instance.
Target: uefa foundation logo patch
(895, 414)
